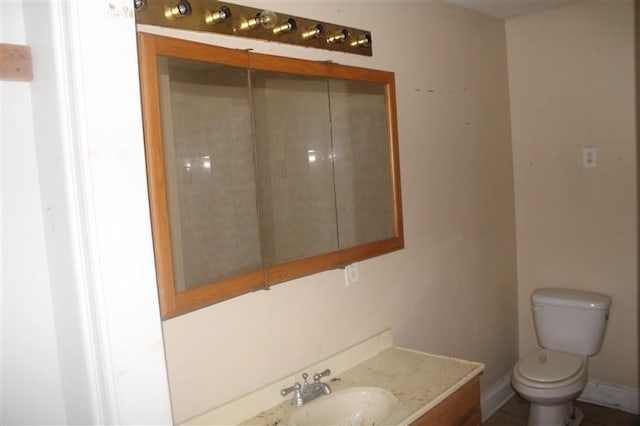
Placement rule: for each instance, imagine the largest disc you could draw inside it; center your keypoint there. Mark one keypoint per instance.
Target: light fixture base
(243, 21)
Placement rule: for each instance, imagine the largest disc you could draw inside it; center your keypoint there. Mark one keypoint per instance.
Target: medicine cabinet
(262, 169)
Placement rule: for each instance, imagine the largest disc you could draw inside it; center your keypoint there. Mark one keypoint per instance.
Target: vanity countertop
(419, 380)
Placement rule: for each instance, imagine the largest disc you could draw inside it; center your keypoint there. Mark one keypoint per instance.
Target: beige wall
(452, 290)
(571, 73)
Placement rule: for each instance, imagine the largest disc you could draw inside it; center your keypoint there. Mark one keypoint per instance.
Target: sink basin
(352, 406)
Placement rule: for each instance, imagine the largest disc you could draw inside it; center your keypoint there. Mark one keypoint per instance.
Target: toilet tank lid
(571, 298)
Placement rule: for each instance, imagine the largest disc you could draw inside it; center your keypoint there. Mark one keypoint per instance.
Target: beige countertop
(419, 381)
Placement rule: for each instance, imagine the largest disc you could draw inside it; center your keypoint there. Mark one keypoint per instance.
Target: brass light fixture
(219, 17)
(178, 10)
(221, 14)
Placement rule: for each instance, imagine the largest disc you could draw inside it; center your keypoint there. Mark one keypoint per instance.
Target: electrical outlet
(351, 274)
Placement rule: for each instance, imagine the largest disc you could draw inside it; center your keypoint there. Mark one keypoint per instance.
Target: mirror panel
(210, 173)
(362, 161)
(294, 155)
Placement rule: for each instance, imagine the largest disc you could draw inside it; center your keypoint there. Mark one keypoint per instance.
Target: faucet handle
(318, 376)
(286, 391)
(297, 399)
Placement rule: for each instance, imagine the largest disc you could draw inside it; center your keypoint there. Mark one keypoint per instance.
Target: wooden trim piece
(347, 72)
(15, 62)
(273, 63)
(395, 156)
(167, 46)
(190, 300)
(155, 172)
(337, 259)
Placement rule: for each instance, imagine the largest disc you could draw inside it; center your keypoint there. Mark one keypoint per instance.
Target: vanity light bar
(235, 20)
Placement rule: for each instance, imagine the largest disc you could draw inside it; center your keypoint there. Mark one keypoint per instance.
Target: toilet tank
(571, 321)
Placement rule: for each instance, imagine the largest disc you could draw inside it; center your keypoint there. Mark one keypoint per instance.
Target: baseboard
(496, 396)
(620, 397)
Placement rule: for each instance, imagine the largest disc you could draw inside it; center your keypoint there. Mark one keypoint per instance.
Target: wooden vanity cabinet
(462, 408)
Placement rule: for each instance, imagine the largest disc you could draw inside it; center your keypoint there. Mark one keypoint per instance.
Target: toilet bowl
(550, 381)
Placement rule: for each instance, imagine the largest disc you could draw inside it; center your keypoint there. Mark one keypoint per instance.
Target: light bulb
(267, 19)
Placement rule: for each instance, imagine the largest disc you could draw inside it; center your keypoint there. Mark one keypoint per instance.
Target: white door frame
(89, 143)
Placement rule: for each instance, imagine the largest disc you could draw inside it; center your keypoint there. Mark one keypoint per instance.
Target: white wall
(571, 74)
(32, 390)
(452, 290)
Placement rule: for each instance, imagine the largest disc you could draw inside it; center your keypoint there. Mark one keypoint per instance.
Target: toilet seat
(545, 368)
(549, 366)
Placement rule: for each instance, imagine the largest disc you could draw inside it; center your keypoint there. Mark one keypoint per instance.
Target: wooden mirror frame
(174, 303)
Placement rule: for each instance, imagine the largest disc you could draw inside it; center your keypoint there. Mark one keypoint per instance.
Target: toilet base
(565, 414)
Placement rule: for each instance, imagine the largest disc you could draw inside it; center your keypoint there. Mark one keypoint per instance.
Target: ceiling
(510, 8)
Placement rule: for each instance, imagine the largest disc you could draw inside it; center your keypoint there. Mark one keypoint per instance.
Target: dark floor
(515, 412)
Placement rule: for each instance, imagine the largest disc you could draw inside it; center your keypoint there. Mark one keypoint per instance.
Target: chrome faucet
(308, 391)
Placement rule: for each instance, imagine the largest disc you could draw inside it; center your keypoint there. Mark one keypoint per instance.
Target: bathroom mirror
(262, 169)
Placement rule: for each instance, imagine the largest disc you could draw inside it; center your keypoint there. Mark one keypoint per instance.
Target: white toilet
(570, 326)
